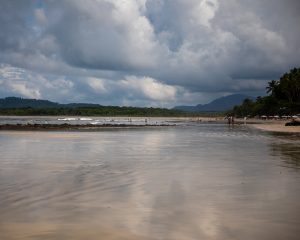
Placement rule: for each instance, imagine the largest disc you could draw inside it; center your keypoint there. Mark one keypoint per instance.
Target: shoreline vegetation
(283, 99)
(14, 106)
(282, 105)
(105, 111)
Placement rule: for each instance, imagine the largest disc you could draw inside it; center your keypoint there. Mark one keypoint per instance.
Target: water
(95, 120)
(202, 181)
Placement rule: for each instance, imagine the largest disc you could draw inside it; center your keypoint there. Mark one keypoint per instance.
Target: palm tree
(272, 86)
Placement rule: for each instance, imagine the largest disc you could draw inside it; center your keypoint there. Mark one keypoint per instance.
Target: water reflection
(289, 153)
(193, 182)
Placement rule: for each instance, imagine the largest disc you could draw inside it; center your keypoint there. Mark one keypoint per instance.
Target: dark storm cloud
(263, 29)
(109, 35)
(88, 40)
(132, 51)
(14, 24)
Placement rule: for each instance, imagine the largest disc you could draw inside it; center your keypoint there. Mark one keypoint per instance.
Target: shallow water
(75, 120)
(204, 181)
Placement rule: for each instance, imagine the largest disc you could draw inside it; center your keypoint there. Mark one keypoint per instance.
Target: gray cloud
(110, 35)
(14, 25)
(145, 52)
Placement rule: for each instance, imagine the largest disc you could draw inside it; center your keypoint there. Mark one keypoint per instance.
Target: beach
(278, 126)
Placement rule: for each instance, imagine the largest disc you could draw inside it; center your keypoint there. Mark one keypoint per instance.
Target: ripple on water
(198, 181)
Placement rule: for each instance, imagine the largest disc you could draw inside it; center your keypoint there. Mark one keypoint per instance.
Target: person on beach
(230, 120)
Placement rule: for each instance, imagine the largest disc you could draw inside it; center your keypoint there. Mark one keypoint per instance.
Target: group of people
(230, 120)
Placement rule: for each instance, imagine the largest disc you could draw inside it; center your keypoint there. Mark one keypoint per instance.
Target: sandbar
(277, 127)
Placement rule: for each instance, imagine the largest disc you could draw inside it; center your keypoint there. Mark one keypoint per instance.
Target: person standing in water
(230, 120)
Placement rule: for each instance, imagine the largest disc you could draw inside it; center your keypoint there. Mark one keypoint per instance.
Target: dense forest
(103, 111)
(36, 107)
(283, 98)
(90, 111)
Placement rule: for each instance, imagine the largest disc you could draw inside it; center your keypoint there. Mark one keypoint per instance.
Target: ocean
(184, 181)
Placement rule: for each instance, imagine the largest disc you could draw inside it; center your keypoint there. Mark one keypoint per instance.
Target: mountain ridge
(16, 102)
(220, 104)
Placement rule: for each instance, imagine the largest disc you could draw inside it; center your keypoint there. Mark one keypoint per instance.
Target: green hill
(34, 107)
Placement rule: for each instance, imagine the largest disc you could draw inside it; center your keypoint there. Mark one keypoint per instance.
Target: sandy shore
(277, 127)
(265, 125)
(17, 231)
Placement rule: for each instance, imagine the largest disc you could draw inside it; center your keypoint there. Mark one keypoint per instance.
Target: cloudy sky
(145, 52)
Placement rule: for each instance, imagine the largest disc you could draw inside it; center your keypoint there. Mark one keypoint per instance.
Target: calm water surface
(205, 181)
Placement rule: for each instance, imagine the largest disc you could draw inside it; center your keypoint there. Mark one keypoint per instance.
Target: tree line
(90, 111)
(110, 111)
(283, 98)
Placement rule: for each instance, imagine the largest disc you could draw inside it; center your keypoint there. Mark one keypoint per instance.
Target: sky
(158, 53)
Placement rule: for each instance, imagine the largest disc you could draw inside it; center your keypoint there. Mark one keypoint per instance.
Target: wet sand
(277, 127)
(206, 181)
(65, 126)
(65, 231)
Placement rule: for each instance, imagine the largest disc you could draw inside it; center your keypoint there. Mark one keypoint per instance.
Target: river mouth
(201, 181)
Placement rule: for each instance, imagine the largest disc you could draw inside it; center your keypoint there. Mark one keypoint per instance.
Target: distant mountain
(220, 104)
(14, 102)
(217, 105)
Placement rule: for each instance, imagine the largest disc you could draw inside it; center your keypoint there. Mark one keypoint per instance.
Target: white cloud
(130, 90)
(20, 88)
(24, 83)
(96, 84)
(151, 88)
(205, 11)
(14, 80)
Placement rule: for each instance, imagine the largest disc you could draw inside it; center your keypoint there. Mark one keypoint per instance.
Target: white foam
(85, 119)
(67, 119)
